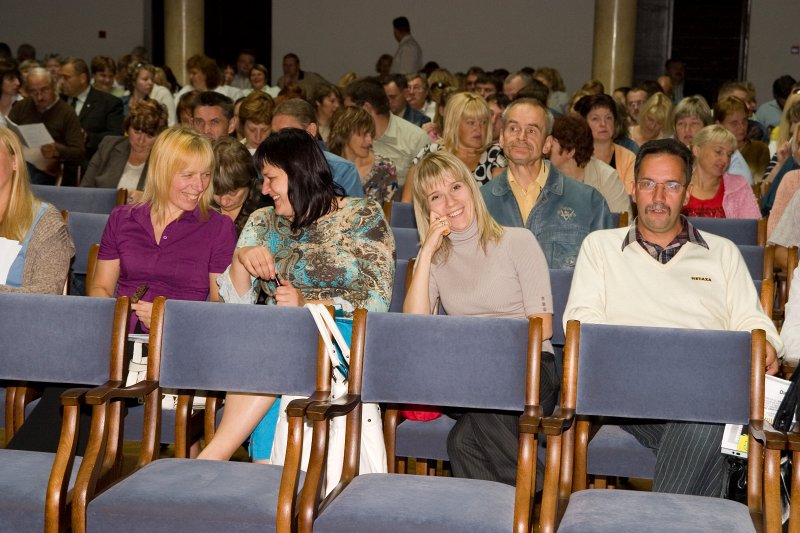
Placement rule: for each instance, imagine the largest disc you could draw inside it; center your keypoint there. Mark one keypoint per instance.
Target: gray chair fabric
(682, 386)
(739, 230)
(754, 259)
(399, 286)
(402, 215)
(622, 511)
(560, 283)
(42, 341)
(398, 503)
(467, 349)
(190, 495)
(78, 199)
(23, 485)
(424, 440)
(208, 346)
(85, 229)
(615, 452)
(406, 242)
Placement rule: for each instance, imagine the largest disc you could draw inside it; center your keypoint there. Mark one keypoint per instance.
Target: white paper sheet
(8, 253)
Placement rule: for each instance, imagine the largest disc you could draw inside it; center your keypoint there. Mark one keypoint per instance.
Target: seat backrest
(662, 373)
(86, 229)
(754, 259)
(42, 341)
(560, 282)
(402, 215)
(739, 230)
(245, 348)
(399, 286)
(406, 242)
(78, 199)
(477, 363)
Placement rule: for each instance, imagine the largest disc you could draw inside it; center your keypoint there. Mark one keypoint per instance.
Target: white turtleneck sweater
(510, 279)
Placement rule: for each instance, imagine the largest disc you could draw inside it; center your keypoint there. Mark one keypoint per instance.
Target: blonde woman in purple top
(171, 241)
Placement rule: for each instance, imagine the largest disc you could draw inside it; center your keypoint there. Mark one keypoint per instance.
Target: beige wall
(71, 28)
(773, 31)
(334, 37)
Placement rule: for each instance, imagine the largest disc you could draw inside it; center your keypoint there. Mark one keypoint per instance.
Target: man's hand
(773, 365)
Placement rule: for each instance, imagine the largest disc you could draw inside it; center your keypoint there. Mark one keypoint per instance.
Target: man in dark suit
(99, 113)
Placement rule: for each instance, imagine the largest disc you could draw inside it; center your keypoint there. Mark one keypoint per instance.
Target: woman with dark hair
(10, 80)
(312, 246)
(259, 81)
(352, 132)
(121, 161)
(327, 99)
(235, 182)
(600, 111)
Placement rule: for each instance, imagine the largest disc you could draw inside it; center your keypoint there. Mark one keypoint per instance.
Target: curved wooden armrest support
(560, 421)
(768, 436)
(74, 396)
(299, 406)
(531, 419)
(118, 392)
(342, 406)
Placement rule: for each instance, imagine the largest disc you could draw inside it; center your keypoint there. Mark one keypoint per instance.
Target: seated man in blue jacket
(532, 193)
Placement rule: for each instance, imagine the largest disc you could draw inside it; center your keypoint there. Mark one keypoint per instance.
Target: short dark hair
(399, 79)
(666, 147)
(534, 89)
(214, 99)
(78, 64)
(369, 90)
(573, 133)
(234, 167)
(9, 70)
(297, 108)
(103, 63)
(782, 87)
(592, 101)
(312, 192)
(401, 24)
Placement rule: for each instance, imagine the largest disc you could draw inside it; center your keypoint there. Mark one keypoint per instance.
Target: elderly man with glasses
(42, 106)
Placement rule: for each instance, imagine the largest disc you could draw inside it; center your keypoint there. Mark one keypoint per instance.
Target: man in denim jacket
(532, 193)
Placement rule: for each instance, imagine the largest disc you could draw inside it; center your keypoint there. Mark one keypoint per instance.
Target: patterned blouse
(491, 159)
(347, 256)
(381, 182)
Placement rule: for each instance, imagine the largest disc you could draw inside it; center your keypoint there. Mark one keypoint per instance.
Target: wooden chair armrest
(110, 392)
(560, 421)
(329, 409)
(74, 396)
(793, 440)
(299, 406)
(768, 436)
(531, 419)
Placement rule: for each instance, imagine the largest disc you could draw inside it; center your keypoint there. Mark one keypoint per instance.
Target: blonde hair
(659, 107)
(790, 111)
(434, 169)
(176, 149)
(465, 106)
(716, 134)
(17, 219)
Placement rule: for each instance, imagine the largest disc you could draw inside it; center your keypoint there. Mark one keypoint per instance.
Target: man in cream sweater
(663, 272)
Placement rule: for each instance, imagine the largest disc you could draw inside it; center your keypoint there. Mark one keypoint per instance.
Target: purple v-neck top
(178, 266)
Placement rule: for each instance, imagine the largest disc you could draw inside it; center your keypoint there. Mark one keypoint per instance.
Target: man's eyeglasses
(648, 185)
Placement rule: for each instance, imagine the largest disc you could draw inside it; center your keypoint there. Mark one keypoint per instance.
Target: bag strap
(334, 329)
(324, 331)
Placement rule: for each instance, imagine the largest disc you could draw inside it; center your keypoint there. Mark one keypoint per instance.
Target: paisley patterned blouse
(347, 256)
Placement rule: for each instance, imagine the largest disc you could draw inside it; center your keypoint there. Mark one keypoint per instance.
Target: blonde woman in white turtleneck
(474, 267)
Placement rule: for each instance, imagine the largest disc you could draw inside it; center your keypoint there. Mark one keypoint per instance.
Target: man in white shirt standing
(663, 272)
(408, 57)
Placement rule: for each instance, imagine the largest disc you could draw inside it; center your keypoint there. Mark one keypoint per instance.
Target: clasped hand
(258, 262)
